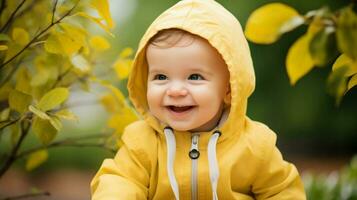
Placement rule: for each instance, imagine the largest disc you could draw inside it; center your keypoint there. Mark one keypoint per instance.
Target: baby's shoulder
(259, 138)
(139, 135)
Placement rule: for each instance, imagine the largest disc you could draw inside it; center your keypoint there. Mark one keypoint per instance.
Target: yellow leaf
(35, 159)
(298, 60)
(102, 7)
(39, 112)
(67, 114)
(53, 98)
(40, 78)
(126, 53)
(95, 20)
(122, 68)
(4, 114)
(77, 34)
(121, 119)
(266, 24)
(99, 43)
(117, 93)
(344, 60)
(60, 43)
(5, 91)
(3, 47)
(20, 36)
(44, 130)
(56, 122)
(19, 101)
(110, 103)
(352, 82)
(80, 63)
(52, 44)
(23, 78)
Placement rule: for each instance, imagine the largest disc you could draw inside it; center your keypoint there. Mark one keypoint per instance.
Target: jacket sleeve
(277, 179)
(124, 177)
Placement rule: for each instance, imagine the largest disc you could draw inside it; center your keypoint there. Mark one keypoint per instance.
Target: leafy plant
(335, 186)
(46, 54)
(329, 35)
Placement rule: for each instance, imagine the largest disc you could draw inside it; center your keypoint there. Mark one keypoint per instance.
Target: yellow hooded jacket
(240, 161)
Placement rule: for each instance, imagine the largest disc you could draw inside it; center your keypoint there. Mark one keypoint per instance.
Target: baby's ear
(227, 96)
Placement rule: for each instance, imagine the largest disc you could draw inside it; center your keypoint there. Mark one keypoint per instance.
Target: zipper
(194, 154)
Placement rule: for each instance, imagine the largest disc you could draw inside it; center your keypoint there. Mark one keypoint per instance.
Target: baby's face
(187, 85)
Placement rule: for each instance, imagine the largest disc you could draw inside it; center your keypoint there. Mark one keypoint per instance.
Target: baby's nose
(176, 90)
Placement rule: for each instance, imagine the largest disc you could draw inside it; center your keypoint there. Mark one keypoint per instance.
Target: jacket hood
(209, 20)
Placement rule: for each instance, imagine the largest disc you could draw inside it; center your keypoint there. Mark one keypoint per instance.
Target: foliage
(335, 186)
(329, 35)
(46, 54)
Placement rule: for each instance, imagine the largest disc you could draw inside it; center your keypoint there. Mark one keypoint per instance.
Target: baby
(191, 79)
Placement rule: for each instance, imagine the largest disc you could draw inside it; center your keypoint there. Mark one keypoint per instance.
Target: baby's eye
(160, 77)
(195, 77)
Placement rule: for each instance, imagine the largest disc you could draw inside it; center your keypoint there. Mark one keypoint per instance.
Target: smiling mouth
(180, 109)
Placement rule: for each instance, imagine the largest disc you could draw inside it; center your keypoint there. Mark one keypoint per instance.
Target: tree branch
(3, 6)
(12, 156)
(12, 16)
(39, 35)
(27, 196)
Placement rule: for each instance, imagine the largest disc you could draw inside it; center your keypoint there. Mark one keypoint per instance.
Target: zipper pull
(194, 152)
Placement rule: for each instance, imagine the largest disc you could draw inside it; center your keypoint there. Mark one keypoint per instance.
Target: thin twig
(27, 196)
(12, 16)
(10, 123)
(39, 35)
(54, 11)
(60, 77)
(70, 142)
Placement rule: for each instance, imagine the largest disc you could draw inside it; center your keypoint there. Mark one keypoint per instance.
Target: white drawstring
(171, 150)
(213, 164)
(212, 158)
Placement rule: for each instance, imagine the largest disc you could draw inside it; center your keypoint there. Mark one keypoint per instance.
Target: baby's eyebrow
(154, 71)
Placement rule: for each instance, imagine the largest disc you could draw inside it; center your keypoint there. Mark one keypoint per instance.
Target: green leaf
(35, 159)
(298, 60)
(323, 47)
(44, 130)
(4, 37)
(39, 112)
(337, 83)
(19, 101)
(53, 98)
(15, 133)
(347, 33)
(267, 23)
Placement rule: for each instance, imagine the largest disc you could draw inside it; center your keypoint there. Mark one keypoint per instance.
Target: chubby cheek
(154, 97)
